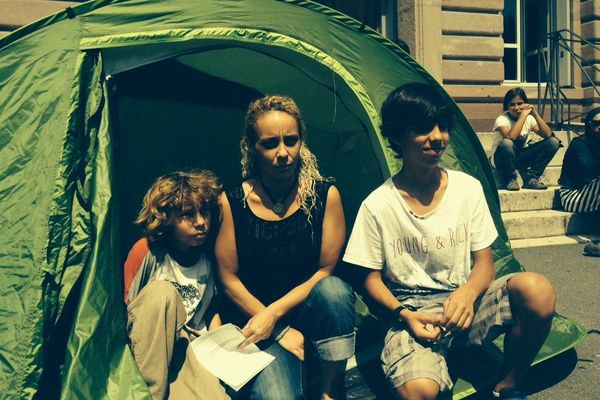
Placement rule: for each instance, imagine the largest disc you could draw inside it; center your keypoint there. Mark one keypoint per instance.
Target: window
(535, 18)
(526, 23)
(389, 19)
(379, 15)
(511, 36)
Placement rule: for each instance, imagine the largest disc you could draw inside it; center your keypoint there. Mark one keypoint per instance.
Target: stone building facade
(477, 49)
(480, 49)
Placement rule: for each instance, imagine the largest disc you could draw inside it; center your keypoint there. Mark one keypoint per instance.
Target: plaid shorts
(404, 358)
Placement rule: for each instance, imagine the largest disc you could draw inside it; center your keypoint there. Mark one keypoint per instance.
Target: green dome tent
(98, 100)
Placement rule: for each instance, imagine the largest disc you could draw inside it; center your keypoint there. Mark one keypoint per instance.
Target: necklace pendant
(279, 208)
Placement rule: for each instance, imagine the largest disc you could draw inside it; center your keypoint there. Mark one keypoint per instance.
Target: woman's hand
(424, 327)
(193, 332)
(259, 327)
(215, 322)
(293, 341)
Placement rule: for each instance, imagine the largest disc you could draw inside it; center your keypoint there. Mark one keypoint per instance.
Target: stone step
(554, 240)
(529, 200)
(488, 139)
(542, 223)
(552, 172)
(534, 214)
(549, 177)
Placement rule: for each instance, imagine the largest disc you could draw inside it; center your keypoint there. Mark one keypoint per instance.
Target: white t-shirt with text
(427, 252)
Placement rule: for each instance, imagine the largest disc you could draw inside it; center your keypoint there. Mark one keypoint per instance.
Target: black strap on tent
(70, 13)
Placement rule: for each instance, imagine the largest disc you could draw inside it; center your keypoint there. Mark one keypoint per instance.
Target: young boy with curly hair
(170, 284)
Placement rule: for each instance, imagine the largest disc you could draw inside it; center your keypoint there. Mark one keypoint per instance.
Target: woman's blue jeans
(326, 319)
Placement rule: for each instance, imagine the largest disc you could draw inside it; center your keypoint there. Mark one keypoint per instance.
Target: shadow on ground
(545, 374)
(366, 381)
(552, 371)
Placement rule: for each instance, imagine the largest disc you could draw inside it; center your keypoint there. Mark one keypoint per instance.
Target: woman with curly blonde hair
(169, 285)
(281, 236)
(308, 170)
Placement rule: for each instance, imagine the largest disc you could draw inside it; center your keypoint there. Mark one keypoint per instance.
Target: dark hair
(402, 44)
(511, 94)
(413, 108)
(588, 119)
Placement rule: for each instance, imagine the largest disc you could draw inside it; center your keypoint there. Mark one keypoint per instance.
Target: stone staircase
(535, 217)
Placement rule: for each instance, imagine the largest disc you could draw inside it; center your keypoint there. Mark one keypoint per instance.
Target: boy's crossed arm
(458, 308)
(423, 326)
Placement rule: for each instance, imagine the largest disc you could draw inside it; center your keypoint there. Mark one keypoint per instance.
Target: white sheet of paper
(217, 351)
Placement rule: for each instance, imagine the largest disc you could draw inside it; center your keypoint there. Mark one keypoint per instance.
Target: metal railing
(551, 48)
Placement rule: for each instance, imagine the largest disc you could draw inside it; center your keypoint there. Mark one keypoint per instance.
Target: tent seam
(44, 274)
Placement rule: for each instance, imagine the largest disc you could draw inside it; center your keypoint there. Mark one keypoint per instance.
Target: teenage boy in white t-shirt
(425, 237)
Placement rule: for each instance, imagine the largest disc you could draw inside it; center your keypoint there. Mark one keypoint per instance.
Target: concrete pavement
(575, 374)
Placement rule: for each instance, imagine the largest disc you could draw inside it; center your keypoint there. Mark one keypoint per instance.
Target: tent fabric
(98, 100)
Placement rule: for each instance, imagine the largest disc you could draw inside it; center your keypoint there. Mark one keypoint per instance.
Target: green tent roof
(98, 100)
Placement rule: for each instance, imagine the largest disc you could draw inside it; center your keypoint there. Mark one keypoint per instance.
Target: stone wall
(590, 30)
(16, 13)
(472, 51)
(472, 46)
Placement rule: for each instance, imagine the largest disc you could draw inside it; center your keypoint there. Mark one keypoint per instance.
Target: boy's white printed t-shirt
(428, 252)
(191, 282)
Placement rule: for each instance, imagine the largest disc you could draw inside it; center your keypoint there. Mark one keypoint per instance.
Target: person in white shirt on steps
(527, 144)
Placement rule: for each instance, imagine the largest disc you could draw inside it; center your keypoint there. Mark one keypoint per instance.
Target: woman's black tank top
(276, 256)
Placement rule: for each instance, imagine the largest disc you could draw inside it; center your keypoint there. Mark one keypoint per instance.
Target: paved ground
(576, 373)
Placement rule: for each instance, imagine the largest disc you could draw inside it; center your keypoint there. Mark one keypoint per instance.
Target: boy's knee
(506, 144)
(160, 296)
(553, 142)
(419, 389)
(533, 292)
(160, 291)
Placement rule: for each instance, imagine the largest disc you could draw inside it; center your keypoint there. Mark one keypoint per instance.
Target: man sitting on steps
(527, 143)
